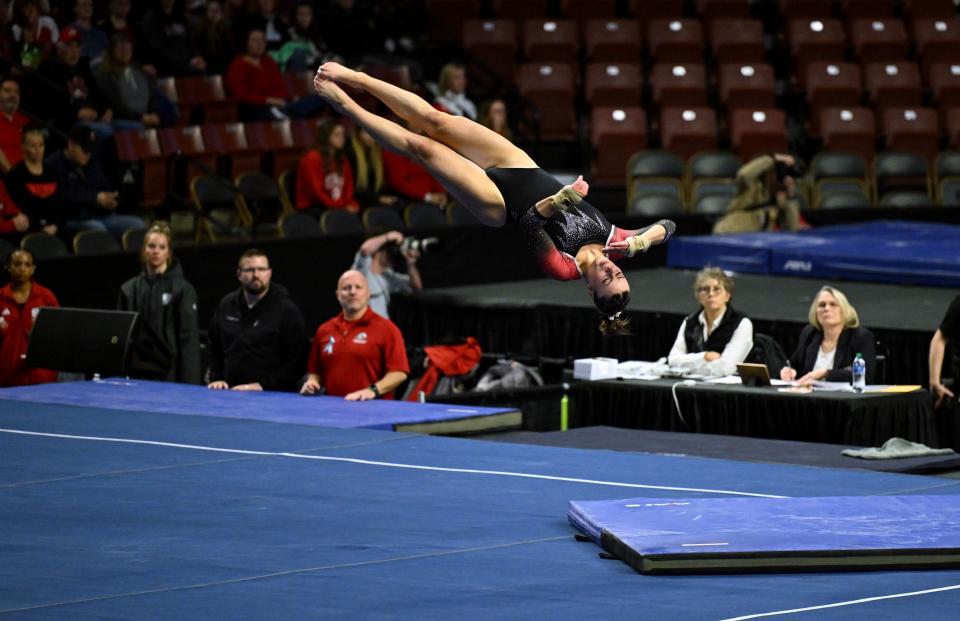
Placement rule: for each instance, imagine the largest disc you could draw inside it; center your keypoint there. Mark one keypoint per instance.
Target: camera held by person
(423, 245)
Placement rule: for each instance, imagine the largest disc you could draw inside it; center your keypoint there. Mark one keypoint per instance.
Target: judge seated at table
(827, 346)
(715, 338)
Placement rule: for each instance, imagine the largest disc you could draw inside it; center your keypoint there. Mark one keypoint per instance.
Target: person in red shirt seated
(20, 302)
(325, 176)
(412, 181)
(12, 122)
(13, 222)
(358, 354)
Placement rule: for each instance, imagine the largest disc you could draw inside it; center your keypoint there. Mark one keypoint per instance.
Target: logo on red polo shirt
(360, 338)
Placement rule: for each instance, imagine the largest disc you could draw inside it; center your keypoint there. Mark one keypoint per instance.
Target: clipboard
(752, 374)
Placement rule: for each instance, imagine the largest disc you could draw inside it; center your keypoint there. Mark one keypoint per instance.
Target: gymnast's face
(605, 278)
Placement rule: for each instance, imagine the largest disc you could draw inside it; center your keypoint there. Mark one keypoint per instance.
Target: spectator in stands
(254, 78)
(945, 335)
(358, 354)
(767, 196)
(13, 222)
(452, 92)
(166, 42)
(94, 39)
(34, 33)
(69, 80)
(493, 115)
(304, 44)
(263, 15)
(366, 156)
(167, 302)
(257, 337)
(214, 38)
(88, 200)
(20, 301)
(714, 339)
(829, 344)
(126, 89)
(118, 22)
(412, 181)
(375, 262)
(12, 122)
(33, 186)
(325, 176)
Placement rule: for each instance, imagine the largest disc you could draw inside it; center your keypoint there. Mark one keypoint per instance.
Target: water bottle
(859, 373)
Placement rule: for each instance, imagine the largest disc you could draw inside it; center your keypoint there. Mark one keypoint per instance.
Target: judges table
(867, 419)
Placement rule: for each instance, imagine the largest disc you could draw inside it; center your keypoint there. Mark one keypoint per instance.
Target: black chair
(657, 172)
(844, 200)
(381, 219)
(713, 164)
(906, 199)
(655, 205)
(220, 209)
(95, 242)
(900, 170)
(712, 204)
(458, 215)
(298, 225)
(947, 170)
(837, 172)
(132, 238)
(288, 190)
(424, 216)
(5, 249)
(44, 246)
(340, 222)
(261, 197)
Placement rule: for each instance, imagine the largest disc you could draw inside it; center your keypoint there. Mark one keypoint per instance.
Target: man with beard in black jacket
(257, 338)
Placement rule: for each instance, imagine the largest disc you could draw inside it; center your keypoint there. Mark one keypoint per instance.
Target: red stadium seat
(519, 9)
(944, 81)
(953, 127)
(229, 141)
(879, 40)
(833, 85)
(142, 146)
(447, 17)
(937, 40)
(912, 129)
(929, 9)
(582, 10)
(550, 40)
(806, 9)
(675, 40)
(686, 131)
(710, 10)
(747, 86)
(736, 40)
(614, 84)
(893, 85)
(612, 40)
(615, 133)
(859, 9)
(815, 39)
(494, 41)
(276, 138)
(646, 10)
(757, 131)
(849, 129)
(188, 142)
(550, 86)
(206, 94)
(676, 85)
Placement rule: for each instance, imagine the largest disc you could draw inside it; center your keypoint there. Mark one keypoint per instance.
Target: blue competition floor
(120, 514)
(884, 251)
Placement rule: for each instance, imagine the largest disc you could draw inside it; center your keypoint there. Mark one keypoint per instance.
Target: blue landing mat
(725, 535)
(281, 407)
(887, 251)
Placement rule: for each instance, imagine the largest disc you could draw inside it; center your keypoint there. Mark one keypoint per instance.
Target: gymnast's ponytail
(611, 309)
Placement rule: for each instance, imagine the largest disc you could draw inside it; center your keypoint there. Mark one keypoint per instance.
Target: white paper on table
(820, 386)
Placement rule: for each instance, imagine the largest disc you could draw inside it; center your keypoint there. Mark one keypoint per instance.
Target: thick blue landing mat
(887, 251)
(112, 514)
(145, 396)
(834, 533)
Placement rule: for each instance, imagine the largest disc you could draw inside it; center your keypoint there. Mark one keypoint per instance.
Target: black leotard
(522, 188)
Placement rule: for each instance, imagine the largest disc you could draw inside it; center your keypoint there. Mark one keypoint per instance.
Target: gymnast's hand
(330, 91)
(580, 186)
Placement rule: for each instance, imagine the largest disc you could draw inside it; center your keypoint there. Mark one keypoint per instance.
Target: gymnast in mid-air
(498, 182)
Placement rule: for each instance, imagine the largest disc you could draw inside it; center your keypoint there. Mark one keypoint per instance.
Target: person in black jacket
(828, 345)
(715, 338)
(257, 337)
(167, 303)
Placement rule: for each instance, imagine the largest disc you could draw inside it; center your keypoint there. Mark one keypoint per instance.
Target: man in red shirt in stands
(12, 122)
(358, 354)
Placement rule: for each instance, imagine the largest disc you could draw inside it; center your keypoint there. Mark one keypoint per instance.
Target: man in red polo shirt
(358, 354)
(12, 122)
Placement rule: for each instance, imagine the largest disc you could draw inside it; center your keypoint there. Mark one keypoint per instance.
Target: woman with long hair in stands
(324, 175)
(499, 183)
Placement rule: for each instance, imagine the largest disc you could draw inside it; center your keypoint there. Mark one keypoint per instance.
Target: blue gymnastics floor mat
(733, 535)
(279, 407)
(887, 251)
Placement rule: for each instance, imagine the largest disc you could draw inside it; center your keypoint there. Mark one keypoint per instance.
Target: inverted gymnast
(498, 182)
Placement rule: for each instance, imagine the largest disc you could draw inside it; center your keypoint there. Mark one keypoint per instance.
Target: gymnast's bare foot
(338, 73)
(330, 91)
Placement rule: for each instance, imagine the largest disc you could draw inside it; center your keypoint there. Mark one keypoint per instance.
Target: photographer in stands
(767, 196)
(375, 262)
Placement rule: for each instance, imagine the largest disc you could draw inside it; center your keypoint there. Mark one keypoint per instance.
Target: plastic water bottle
(859, 373)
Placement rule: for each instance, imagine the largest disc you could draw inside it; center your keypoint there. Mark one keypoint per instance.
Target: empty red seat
(849, 129)
(187, 143)
(809, 9)
(879, 40)
(679, 85)
(757, 131)
(675, 40)
(616, 133)
(206, 94)
(815, 39)
(229, 142)
(612, 40)
(833, 85)
(737, 40)
(747, 85)
(929, 9)
(277, 139)
(582, 10)
(495, 42)
(953, 127)
(519, 9)
(893, 84)
(550, 86)
(937, 40)
(857, 9)
(710, 10)
(646, 10)
(912, 129)
(551, 40)
(686, 131)
(614, 84)
(944, 81)
(142, 146)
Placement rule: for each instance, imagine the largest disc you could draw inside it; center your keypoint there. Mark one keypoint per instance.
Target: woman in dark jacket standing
(167, 303)
(828, 345)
